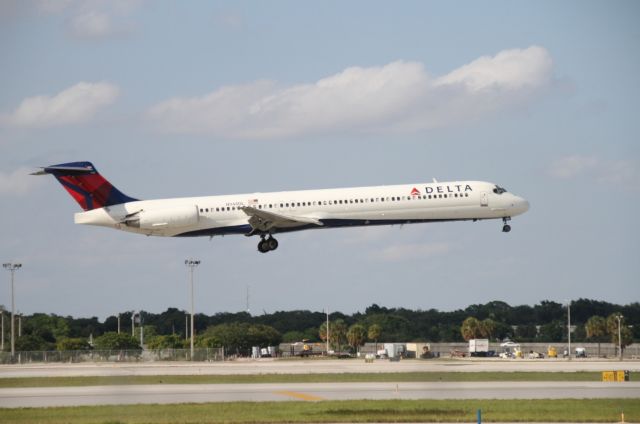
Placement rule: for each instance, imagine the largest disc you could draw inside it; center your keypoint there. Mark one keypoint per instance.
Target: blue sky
(212, 98)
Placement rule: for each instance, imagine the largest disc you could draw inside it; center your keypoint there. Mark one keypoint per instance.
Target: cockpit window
(499, 190)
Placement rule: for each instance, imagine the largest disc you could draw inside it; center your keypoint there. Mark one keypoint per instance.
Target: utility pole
(133, 326)
(191, 263)
(12, 267)
(118, 323)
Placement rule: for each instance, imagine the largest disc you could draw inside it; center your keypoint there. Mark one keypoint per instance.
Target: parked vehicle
(479, 347)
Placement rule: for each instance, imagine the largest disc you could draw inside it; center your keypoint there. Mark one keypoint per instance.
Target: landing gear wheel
(506, 228)
(271, 243)
(267, 244)
(262, 246)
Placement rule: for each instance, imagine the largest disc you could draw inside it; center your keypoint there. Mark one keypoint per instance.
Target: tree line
(543, 322)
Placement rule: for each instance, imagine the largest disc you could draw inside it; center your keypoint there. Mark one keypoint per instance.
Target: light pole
(569, 326)
(12, 267)
(2, 340)
(191, 263)
(327, 332)
(118, 323)
(619, 318)
(133, 327)
(186, 326)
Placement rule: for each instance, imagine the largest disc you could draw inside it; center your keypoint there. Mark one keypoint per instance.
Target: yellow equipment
(552, 352)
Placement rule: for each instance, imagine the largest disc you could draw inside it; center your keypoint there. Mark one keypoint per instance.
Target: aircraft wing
(263, 222)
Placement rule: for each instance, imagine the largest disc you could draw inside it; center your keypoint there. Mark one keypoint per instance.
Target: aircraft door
(484, 199)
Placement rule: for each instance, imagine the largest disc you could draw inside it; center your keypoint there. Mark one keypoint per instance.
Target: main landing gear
(506, 228)
(267, 244)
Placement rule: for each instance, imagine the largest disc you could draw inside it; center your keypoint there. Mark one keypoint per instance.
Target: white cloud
(625, 172)
(91, 24)
(572, 166)
(92, 19)
(411, 251)
(18, 182)
(399, 96)
(75, 105)
(508, 70)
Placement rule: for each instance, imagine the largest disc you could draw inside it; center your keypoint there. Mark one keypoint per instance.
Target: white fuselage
(397, 204)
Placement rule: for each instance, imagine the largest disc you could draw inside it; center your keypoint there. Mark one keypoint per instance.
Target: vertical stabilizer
(85, 184)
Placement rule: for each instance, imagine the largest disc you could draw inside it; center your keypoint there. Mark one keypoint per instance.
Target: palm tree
(624, 331)
(338, 334)
(487, 328)
(470, 329)
(374, 334)
(356, 336)
(596, 328)
(323, 332)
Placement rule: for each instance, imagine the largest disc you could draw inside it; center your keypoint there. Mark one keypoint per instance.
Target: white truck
(478, 347)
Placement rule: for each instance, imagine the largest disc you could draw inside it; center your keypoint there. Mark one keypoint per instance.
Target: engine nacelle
(156, 219)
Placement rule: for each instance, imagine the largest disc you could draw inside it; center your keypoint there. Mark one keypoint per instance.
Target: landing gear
(506, 228)
(267, 244)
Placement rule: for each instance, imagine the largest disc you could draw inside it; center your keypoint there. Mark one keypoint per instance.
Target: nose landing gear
(506, 227)
(267, 244)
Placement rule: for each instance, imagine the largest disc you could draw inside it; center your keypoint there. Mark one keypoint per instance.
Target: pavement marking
(298, 395)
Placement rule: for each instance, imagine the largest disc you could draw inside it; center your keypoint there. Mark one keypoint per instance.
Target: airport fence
(76, 356)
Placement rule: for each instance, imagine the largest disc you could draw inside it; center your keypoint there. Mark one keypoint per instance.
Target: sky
(171, 99)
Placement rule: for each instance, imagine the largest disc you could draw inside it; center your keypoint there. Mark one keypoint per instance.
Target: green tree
(356, 336)
(48, 327)
(338, 334)
(115, 341)
(170, 341)
(487, 328)
(596, 328)
(77, 343)
(239, 337)
(322, 332)
(551, 332)
(374, 333)
(293, 336)
(470, 329)
(526, 332)
(615, 327)
(32, 342)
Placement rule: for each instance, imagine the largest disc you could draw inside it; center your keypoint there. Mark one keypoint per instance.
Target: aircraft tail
(85, 184)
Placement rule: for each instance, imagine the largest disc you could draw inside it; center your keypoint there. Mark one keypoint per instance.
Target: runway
(270, 366)
(199, 393)
(180, 393)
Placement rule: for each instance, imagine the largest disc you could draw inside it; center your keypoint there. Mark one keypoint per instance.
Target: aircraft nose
(520, 205)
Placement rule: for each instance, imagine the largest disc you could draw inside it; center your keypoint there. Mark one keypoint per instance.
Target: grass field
(301, 378)
(590, 410)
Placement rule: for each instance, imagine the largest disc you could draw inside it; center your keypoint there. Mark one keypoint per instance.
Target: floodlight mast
(619, 318)
(12, 267)
(191, 263)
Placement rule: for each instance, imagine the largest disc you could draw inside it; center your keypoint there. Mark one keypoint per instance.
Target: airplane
(266, 214)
